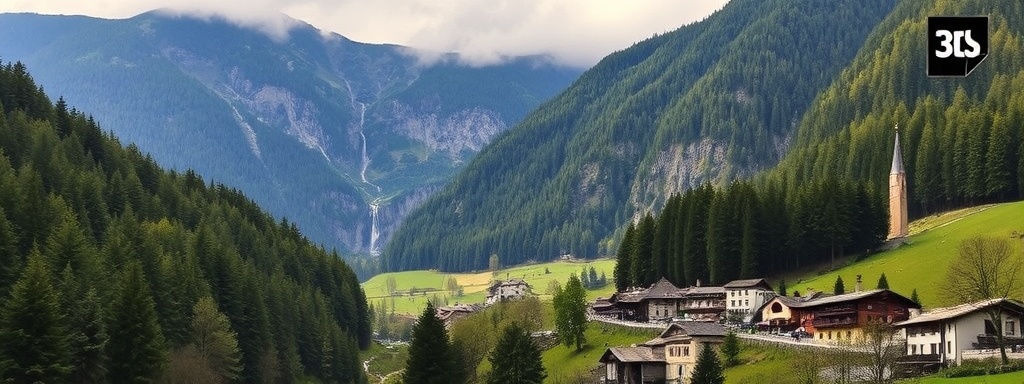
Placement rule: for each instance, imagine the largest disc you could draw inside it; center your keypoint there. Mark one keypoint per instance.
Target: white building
(951, 334)
(743, 298)
(505, 290)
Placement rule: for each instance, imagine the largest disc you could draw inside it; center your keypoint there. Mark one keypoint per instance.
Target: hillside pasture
(414, 288)
(922, 262)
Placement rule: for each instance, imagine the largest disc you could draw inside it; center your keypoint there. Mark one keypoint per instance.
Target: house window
(1009, 328)
(821, 336)
(949, 346)
(732, 293)
(848, 333)
(830, 335)
(611, 371)
(839, 335)
(776, 307)
(913, 349)
(746, 302)
(933, 348)
(686, 351)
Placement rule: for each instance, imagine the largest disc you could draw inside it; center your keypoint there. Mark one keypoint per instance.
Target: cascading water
(375, 204)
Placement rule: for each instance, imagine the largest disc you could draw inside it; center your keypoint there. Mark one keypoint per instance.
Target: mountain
(962, 139)
(708, 103)
(342, 138)
(128, 272)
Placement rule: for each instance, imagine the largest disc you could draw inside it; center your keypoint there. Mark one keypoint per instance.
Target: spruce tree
(883, 283)
(430, 357)
(709, 369)
(214, 339)
(731, 349)
(839, 289)
(782, 287)
(516, 359)
(33, 332)
(10, 261)
(136, 348)
(624, 260)
(914, 298)
(87, 337)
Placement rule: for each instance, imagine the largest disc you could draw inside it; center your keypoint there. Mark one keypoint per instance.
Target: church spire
(897, 155)
(897, 193)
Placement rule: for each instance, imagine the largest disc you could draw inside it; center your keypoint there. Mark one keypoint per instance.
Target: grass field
(430, 283)
(564, 364)
(1005, 378)
(922, 262)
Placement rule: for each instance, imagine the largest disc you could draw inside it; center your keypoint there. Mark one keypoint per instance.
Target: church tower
(897, 193)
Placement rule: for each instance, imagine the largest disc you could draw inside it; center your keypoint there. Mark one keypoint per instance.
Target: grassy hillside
(427, 283)
(922, 262)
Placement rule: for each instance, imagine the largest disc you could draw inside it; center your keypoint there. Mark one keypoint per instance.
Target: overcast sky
(574, 32)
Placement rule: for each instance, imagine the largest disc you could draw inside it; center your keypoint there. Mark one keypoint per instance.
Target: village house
(452, 313)
(668, 358)
(506, 290)
(836, 318)
(663, 301)
(951, 334)
(745, 297)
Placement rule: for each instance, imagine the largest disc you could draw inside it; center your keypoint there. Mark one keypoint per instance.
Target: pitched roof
(897, 157)
(701, 328)
(748, 283)
(705, 291)
(817, 300)
(663, 289)
(947, 313)
(634, 355)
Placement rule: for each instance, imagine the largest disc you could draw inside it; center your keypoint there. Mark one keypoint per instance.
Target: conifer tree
(839, 289)
(914, 298)
(883, 283)
(624, 260)
(214, 339)
(10, 261)
(136, 348)
(709, 369)
(430, 357)
(33, 332)
(516, 359)
(731, 349)
(782, 287)
(87, 337)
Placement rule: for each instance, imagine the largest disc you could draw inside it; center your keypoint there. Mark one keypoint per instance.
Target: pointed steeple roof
(897, 155)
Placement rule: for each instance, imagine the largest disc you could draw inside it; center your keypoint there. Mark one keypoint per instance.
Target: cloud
(573, 32)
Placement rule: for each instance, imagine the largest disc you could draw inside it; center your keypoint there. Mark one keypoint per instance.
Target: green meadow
(922, 262)
(414, 288)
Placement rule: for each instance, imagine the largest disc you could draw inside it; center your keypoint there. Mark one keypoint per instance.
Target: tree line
(115, 270)
(716, 235)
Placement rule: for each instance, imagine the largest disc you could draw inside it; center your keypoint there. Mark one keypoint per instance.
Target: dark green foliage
(708, 369)
(782, 288)
(707, 103)
(883, 283)
(624, 260)
(136, 349)
(957, 139)
(33, 332)
(914, 298)
(129, 267)
(839, 288)
(516, 359)
(735, 232)
(730, 350)
(170, 110)
(431, 359)
(571, 313)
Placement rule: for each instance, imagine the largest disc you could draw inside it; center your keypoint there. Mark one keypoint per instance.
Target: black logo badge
(956, 45)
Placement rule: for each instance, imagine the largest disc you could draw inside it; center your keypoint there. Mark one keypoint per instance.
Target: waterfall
(374, 230)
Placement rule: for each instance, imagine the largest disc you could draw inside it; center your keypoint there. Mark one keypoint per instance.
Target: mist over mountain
(710, 102)
(340, 137)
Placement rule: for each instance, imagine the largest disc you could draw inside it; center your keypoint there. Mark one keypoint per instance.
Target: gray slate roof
(947, 313)
(748, 283)
(635, 354)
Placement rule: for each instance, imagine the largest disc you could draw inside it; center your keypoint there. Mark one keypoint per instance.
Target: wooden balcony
(834, 322)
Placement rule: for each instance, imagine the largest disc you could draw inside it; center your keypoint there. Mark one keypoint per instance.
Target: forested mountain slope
(343, 138)
(709, 102)
(962, 138)
(115, 270)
